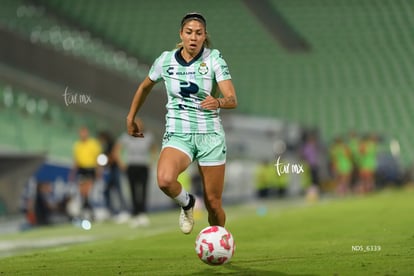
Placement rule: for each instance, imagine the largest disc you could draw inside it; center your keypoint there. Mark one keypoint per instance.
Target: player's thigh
(171, 163)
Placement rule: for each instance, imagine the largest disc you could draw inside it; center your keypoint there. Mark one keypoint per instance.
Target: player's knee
(213, 204)
(165, 180)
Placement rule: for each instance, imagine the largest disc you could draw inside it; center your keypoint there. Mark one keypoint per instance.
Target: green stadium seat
(358, 74)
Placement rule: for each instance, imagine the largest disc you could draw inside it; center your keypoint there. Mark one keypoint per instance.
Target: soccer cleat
(186, 220)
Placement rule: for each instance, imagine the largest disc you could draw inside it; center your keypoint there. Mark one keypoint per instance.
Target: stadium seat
(357, 75)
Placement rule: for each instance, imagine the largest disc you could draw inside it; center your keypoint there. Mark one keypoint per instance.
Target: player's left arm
(228, 101)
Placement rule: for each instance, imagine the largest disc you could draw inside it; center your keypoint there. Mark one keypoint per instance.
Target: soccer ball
(215, 245)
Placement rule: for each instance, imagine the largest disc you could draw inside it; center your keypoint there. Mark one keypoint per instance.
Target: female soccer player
(191, 74)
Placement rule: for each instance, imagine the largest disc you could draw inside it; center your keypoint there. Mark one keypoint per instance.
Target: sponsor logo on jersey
(187, 88)
(225, 69)
(185, 73)
(189, 106)
(170, 71)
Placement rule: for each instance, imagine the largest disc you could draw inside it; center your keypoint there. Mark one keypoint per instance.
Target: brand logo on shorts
(166, 137)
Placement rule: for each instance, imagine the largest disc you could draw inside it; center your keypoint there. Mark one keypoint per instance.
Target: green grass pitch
(371, 235)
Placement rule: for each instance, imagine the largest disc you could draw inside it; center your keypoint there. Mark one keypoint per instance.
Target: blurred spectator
(269, 182)
(85, 168)
(43, 208)
(389, 170)
(113, 178)
(354, 145)
(263, 179)
(367, 164)
(310, 153)
(342, 165)
(408, 176)
(44, 205)
(138, 161)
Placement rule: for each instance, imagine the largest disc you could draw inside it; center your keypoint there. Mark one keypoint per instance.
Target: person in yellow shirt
(85, 168)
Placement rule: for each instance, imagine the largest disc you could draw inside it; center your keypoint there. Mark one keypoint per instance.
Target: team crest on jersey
(203, 69)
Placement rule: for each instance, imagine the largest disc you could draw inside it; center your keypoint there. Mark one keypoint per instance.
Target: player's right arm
(140, 95)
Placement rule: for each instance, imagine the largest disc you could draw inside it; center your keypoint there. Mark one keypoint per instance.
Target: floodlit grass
(372, 235)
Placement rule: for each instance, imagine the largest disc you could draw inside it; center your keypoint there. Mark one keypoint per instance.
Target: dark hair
(194, 16)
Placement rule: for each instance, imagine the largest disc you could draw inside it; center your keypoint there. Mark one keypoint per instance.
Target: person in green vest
(367, 164)
(269, 182)
(354, 142)
(264, 174)
(342, 165)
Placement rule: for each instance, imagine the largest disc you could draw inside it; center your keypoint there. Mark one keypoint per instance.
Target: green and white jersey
(187, 85)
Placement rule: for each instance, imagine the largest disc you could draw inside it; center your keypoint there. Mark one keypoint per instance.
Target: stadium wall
(77, 74)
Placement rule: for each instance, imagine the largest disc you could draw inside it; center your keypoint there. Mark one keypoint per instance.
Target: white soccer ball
(215, 245)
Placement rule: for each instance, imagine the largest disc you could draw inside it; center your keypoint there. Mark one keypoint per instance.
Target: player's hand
(133, 129)
(210, 103)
